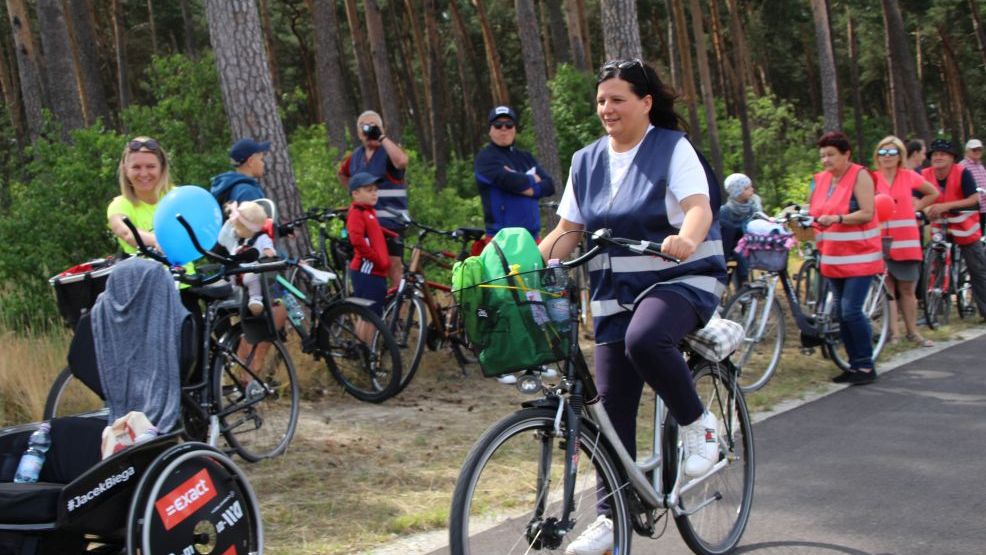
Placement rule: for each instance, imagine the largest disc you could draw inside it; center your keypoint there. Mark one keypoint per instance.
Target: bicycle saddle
(469, 233)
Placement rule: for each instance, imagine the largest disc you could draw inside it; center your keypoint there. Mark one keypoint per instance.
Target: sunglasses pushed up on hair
(150, 144)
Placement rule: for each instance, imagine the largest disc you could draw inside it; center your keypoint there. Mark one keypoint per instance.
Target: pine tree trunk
(436, 76)
(79, 18)
(120, 47)
(470, 97)
(580, 58)
(705, 79)
(364, 68)
(188, 29)
(621, 31)
(28, 67)
(857, 96)
(740, 88)
(832, 119)
(556, 28)
(497, 84)
(895, 85)
(12, 100)
(537, 92)
(724, 71)
(381, 69)
(977, 25)
(152, 27)
(674, 64)
(739, 43)
(248, 96)
(687, 71)
(268, 34)
(62, 74)
(328, 69)
(410, 80)
(900, 53)
(958, 124)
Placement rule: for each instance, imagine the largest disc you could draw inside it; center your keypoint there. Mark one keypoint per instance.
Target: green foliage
(573, 112)
(316, 169)
(57, 219)
(187, 116)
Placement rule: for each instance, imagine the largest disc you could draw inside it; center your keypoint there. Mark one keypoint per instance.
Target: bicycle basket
(767, 251)
(76, 288)
(507, 321)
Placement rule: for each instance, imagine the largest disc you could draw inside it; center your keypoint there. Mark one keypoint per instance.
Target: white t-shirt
(686, 178)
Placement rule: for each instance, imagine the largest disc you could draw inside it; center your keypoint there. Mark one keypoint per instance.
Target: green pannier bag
(502, 305)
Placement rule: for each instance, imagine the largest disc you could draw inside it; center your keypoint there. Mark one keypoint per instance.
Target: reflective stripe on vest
(965, 225)
(610, 307)
(846, 250)
(902, 228)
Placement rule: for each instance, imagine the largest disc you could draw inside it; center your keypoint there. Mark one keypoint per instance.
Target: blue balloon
(200, 210)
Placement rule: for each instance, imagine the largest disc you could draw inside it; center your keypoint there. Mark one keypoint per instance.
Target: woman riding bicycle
(850, 247)
(904, 257)
(644, 181)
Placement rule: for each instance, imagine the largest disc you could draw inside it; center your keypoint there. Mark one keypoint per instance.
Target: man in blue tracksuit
(510, 180)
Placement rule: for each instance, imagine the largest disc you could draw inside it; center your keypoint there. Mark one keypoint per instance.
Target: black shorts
(395, 245)
(369, 287)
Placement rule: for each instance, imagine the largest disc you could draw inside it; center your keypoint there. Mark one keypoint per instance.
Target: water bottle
(295, 314)
(555, 283)
(34, 457)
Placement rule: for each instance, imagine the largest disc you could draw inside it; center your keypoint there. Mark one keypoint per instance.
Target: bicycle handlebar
(320, 215)
(603, 238)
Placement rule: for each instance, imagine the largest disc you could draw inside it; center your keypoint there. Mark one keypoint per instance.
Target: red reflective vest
(846, 250)
(902, 227)
(964, 226)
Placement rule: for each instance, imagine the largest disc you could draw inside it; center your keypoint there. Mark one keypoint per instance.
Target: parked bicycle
(243, 385)
(534, 477)
(757, 308)
(422, 312)
(369, 369)
(944, 274)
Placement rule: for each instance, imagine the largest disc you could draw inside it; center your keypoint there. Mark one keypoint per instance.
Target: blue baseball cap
(502, 112)
(362, 179)
(245, 148)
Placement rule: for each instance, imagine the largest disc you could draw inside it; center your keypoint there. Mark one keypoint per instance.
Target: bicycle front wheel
(508, 498)
(360, 352)
(406, 320)
(763, 335)
(713, 514)
(965, 303)
(256, 390)
(935, 275)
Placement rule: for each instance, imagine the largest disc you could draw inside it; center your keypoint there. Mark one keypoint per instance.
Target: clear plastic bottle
(555, 283)
(34, 457)
(295, 314)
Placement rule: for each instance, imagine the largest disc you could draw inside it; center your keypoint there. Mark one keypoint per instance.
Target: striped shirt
(979, 174)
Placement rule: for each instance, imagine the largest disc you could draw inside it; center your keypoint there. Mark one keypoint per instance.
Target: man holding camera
(383, 158)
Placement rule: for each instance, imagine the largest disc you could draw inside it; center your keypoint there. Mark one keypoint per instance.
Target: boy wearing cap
(240, 184)
(510, 180)
(734, 216)
(974, 163)
(368, 269)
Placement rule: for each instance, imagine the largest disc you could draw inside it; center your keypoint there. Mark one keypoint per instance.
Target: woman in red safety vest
(848, 239)
(904, 257)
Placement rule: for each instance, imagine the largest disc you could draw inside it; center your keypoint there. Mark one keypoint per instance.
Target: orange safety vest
(964, 226)
(846, 250)
(902, 227)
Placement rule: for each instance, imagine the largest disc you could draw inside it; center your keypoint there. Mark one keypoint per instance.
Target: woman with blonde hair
(904, 256)
(144, 179)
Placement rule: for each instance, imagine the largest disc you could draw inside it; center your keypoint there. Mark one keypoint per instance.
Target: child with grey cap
(735, 215)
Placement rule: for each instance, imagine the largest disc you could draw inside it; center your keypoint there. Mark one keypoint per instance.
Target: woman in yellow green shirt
(144, 179)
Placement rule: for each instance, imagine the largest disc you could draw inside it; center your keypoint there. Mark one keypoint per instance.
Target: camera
(371, 131)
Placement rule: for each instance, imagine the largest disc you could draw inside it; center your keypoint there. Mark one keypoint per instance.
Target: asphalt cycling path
(895, 467)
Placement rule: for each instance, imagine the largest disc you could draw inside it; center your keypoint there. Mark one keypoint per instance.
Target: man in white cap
(974, 163)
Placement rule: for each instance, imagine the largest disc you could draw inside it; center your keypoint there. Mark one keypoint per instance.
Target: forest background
(758, 80)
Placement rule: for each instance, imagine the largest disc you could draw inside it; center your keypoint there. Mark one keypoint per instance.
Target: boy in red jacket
(368, 269)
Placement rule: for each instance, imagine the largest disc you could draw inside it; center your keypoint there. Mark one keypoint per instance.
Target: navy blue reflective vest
(619, 278)
(392, 198)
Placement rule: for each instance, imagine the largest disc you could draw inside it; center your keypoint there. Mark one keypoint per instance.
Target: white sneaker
(596, 540)
(507, 379)
(701, 439)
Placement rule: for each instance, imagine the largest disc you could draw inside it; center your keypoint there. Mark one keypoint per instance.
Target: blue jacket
(233, 185)
(500, 188)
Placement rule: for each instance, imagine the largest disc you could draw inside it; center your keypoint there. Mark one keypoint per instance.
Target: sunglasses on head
(888, 152)
(622, 64)
(150, 144)
(503, 124)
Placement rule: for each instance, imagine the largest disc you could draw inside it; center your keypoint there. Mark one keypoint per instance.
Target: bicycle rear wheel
(508, 498)
(876, 308)
(368, 369)
(808, 286)
(965, 303)
(716, 510)
(406, 319)
(256, 390)
(936, 302)
(69, 396)
(763, 340)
